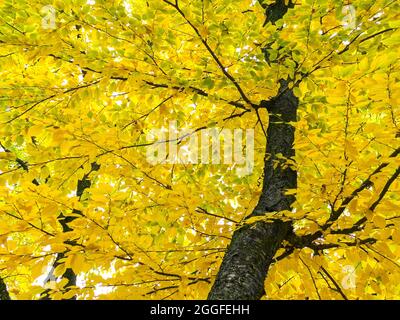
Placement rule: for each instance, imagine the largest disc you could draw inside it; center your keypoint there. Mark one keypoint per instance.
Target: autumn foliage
(84, 215)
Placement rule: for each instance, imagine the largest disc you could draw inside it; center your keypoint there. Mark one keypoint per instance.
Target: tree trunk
(250, 253)
(3, 291)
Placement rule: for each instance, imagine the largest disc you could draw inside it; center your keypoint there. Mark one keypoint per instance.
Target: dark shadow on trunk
(4, 295)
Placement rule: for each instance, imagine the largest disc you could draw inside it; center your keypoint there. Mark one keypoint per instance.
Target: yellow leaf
(396, 235)
(379, 221)
(59, 270)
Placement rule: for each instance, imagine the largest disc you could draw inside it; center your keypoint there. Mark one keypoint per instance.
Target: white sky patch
(42, 279)
(110, 273)
(46, 271)
(80, 281)
(100, 289)
(91, 2)
(116, 94)
(376, 16)
(87, 39)
(9, 186)
(128, 8)
(234, 203)
(71, 194)
(333, 35)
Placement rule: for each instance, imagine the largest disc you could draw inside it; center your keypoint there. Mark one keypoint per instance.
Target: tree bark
(253, 246)
(4, 295)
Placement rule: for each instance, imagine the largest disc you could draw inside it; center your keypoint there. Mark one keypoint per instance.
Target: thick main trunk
(244, 268)
(250, 253)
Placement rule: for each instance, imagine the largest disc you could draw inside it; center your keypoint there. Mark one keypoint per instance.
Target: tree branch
(338, 288)
(367, 182)
(214, 56)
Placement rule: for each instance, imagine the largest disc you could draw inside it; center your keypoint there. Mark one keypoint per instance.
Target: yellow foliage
(78, 101)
